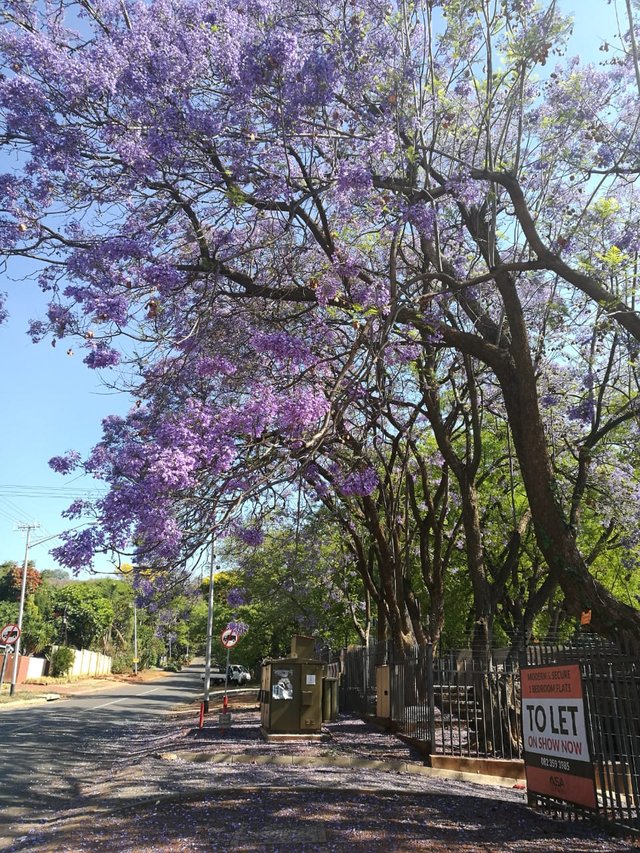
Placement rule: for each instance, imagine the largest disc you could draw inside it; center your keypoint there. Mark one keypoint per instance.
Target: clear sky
(53, 403)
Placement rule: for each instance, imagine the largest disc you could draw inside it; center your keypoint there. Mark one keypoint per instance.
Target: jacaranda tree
(230, 196)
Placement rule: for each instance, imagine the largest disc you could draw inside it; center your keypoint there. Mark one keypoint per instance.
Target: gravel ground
(148, 803)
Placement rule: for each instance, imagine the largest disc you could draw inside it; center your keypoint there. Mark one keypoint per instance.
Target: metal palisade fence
(446, 702)
(452, 707)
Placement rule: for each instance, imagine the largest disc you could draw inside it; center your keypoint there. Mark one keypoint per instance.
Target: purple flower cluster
(102, 355)
(423, 217)
(357, 483)
(249, 535)
(65, 464)
(236, 597)
(282, 346)
(238, 627)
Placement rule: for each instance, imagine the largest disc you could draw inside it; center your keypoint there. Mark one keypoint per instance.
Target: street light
(207, 660)
(23, 592)
(135, 636)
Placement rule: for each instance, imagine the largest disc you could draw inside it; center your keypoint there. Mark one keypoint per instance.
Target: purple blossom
(65, 464)
(353, 180)
(549, 400)
(249, 535)
(357, 483)
(236, 597)
(102, 356)
(282, 346)
(423, 217)
(79, 548)
(238, 627)
(582, 411)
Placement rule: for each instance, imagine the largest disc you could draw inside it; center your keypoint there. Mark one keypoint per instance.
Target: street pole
(135, 638)
(207, 663)
(23, 592)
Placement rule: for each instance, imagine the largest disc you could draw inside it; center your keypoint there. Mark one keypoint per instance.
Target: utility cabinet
(291, 693)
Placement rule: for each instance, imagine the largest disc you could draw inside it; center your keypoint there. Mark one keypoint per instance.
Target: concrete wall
(90, 663)
(36, 667)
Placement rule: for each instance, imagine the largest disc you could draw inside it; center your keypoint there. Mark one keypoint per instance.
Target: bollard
(200, 724)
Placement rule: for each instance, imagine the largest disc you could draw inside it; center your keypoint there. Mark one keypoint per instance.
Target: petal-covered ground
(151, 803)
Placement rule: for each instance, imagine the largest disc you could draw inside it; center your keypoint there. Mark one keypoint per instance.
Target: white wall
(36, 668)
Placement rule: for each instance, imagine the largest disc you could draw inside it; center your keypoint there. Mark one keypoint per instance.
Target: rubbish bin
(329, 700)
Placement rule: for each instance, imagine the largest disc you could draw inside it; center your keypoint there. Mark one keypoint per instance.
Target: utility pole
(23, 592)
(135, 637)
(207, 660)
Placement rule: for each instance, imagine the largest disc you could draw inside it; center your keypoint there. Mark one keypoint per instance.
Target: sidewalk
(224, 789)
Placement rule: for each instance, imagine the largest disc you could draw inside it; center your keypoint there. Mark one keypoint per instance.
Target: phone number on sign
(554, 763)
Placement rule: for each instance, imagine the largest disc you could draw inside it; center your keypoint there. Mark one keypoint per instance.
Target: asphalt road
(50, 753)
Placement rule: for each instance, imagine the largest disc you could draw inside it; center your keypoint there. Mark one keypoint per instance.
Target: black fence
(456, 709)
(445, 702)
(611, 685)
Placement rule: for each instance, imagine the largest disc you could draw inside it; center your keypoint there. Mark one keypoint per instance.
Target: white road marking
(124, 698)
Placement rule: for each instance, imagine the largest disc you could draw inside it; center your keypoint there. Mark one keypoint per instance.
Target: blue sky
(53, 403)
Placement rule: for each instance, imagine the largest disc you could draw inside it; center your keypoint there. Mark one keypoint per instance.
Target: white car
(236, 674)
(239, 674)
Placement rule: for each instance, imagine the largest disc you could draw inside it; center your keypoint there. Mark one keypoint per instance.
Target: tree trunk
(609, 617)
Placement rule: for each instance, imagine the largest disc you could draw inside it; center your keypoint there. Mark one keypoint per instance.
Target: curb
(39, 699)
(388, 766)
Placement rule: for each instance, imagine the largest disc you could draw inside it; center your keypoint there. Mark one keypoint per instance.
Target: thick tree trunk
(483, 603)
(609, 617)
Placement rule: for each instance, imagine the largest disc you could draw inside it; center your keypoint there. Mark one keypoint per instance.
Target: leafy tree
(255, 192)
(85, 614)
(37, 630)
(11, 580)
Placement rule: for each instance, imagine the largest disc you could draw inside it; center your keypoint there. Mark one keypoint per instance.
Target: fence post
(431, 700)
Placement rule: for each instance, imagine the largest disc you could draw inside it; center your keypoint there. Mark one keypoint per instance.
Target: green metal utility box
(291, 694)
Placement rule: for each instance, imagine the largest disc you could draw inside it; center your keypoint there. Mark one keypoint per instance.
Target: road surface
(50, 753)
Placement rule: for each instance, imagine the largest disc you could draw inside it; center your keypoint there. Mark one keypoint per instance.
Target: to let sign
(557, 760)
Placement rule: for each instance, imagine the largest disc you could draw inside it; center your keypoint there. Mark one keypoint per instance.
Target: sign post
(8, 636)
(6, 651)
(228, 638)
(557, 759)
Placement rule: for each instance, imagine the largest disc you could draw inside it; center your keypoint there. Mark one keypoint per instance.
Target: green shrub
(121, 662)
(62, 661)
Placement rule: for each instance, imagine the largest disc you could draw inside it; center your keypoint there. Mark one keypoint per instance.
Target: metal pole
(226, 681)
(23, 592)
(135, 638)
(5, 653)
(207, 663)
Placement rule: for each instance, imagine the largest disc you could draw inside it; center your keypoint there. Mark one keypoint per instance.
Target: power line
(14, 490)
(14, 513)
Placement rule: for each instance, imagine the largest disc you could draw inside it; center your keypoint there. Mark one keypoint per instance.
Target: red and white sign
(557, 760)
(229, 638)
(9, 635)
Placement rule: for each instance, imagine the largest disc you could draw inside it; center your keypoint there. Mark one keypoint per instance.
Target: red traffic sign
(229, 638)
(9, 634)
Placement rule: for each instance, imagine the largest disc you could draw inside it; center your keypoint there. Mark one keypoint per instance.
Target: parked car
(237, 674)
